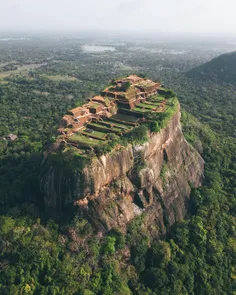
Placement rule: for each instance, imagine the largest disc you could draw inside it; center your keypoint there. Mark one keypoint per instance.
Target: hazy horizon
(126, 36)
(188, 18)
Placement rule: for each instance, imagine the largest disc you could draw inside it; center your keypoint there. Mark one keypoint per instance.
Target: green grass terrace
(78, 139)
(105, 127)
(125, 116)
(96, 133)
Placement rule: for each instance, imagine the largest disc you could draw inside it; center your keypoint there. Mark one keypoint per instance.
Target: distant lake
(97, 48)
(163, 51)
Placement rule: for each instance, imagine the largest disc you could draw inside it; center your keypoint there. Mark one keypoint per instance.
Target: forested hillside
(212, 103)
(221, 69)
(209, 92)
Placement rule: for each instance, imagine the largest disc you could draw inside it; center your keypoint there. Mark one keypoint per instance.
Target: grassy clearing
(119, 124)
(21, 69)
(79, 138)
(146, 106)
(7, 63)
(104, 127)
(141, 109)
(99, 134)
(126, 118)
(4, 75)
(104, 124)
(3, 82)
(158, 97)
(132, 113)
(96, 134)
(59, 78)
(153, 103)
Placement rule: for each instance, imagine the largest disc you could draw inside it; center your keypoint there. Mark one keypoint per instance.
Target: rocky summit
(121, 155)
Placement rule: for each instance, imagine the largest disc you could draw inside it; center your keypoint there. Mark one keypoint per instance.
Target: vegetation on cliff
(139, 135)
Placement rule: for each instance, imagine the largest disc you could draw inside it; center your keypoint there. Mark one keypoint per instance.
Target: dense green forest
(39, 255)
(220, 70)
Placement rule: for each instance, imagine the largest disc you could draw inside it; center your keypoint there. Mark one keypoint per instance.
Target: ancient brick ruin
(124, 93)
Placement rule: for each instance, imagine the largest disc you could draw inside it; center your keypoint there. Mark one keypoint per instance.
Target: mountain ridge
(221, 69)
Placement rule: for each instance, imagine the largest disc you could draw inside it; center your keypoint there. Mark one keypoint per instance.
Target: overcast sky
(182, 16)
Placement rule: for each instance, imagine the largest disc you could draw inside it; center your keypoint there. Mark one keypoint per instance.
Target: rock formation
(153, 180)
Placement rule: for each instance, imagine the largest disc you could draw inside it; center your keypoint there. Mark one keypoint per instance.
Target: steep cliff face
(153, 179)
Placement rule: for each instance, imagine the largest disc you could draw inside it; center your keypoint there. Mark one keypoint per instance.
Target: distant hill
(221, 69)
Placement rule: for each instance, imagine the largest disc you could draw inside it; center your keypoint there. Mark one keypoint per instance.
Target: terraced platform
(96, 132)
